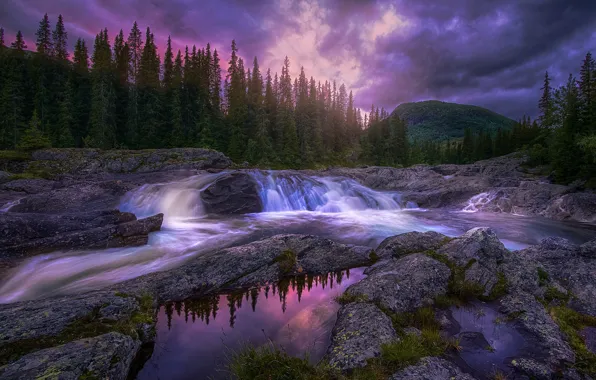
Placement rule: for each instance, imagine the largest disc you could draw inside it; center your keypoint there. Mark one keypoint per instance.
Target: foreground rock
(24, 234)
(107, 356)
(404, 284)
(535, 294)
(432, 368)
(359, 332)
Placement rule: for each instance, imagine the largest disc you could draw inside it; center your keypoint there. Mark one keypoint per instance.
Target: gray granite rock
(410, 242)
(360, 331)
(431, 368)
(107, 356)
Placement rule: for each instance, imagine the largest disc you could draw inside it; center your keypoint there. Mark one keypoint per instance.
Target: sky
(490, 53)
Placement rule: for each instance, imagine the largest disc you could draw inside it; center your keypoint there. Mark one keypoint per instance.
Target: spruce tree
(2, 45)
(135, 45)
(587, 93)
(60, 41)
(81, 88)
(546, 104)
(63, 137)
(19, 44)
(33, 138)
(44, 37)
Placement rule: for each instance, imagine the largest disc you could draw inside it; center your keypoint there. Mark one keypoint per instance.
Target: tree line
(122, 94)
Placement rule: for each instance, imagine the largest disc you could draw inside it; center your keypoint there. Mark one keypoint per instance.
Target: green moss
(373, 256)
(347, 298)
(121, 294)
(543, 277)
(89, 326)
(554, 294)
(88, 375)
(498, 290)
(14, 155)
(32, 173)
(286, 261)
(571, 323)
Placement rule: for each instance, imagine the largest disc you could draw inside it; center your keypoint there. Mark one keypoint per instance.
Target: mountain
(435, 120)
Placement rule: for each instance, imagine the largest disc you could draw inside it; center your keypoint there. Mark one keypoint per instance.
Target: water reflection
(195, 337)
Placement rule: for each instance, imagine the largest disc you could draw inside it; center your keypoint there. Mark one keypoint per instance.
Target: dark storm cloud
(491, 53)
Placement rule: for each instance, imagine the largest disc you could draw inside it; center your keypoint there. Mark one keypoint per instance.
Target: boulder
(543, 336)
(360, 331)
(29, 234)
(411, 242)
(107, 356)
(405, 284)
(572, 266)
(259, 262)
(431, 368)
(481, 252)
(234, 193)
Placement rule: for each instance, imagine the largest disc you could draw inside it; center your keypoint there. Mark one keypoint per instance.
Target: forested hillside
(435, 120)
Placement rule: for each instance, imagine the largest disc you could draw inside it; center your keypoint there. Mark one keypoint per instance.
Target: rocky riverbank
(415, 286)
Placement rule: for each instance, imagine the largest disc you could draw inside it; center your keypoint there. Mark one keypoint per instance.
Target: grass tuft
(571, 323)
(347, 298)
(286, 261)
(543, 277)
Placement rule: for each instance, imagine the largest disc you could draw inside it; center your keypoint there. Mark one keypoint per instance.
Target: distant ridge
(436, 120)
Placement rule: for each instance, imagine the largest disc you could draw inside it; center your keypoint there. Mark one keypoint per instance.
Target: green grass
(14, 155)
(269, 362)
(373, 256)
(571, 323)
(554, 294)
(347, 298)
(286, 261)
(543, 277)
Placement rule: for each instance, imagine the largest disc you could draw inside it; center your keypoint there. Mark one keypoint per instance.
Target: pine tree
(33, 137)
(60, 41)
(546, 104)
(63, 137)
(44, 37)
(102, 130)
(149, 104)
(587, 93)
(177, 134)
(2, 45)
(81, 87)
(121, 89)
(290, 151)
(19, 44)
(135, 45)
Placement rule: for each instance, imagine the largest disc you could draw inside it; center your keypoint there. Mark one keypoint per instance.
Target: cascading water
(337, 208)
(289, 192)
(477, 202)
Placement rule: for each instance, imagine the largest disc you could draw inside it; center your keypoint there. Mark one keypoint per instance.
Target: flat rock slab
(432, 368)
(360, 331)
(107, 356)
(402, 285)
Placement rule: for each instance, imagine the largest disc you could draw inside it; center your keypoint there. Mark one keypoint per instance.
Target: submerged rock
(107, 356)
(29, 234)
(235, 193)
(431, 368)
(360, 331)
(404, 284)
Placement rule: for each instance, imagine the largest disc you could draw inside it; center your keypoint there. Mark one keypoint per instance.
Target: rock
(94, 161)
(359, 332)
(29, 234)
(32, 320)
(235, 193)
(544, 339)
(431, 368)
(589, 335)
(4, 176)
(28, 186)
(411, 242)
(107, 356)
(473, 341)
(249, 265)
(88, 196)
(402, 285)
(572, 266)
(481, 252)
(575, 206)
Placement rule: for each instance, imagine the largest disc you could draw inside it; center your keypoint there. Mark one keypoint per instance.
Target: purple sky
(491, 53)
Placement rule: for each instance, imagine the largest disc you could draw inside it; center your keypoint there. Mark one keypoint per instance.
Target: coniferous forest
(120, 94)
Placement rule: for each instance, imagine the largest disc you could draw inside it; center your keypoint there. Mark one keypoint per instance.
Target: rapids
(332, 207)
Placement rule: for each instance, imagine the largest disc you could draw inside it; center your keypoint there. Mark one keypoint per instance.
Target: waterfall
(281, 191)
(477, 202)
